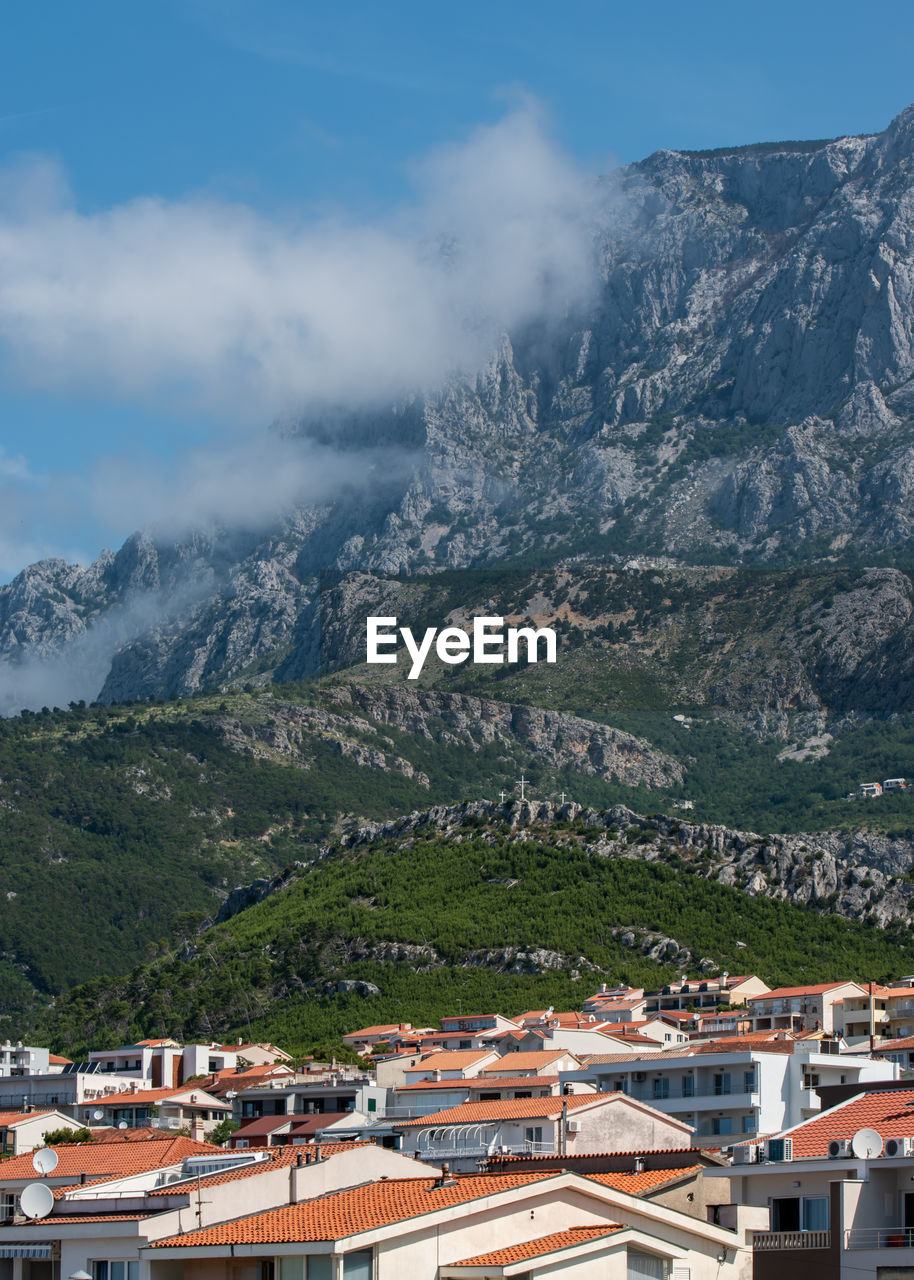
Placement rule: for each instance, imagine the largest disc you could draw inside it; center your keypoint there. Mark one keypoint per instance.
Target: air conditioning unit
(640, 1076)
(779, 1149)
(839, 1147)
(899, 1147)
(746, 1154)
(573, 1126)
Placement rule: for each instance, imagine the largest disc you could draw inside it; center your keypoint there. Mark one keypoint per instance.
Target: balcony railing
(879, 1238)
(769, 1241)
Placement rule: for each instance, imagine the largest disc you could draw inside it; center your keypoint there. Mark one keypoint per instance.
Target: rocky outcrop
(859, 876)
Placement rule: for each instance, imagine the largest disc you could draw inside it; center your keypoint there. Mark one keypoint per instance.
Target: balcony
(879, 1238)
(776, 1241)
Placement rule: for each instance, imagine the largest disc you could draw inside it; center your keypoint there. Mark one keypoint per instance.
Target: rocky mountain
(740, 391)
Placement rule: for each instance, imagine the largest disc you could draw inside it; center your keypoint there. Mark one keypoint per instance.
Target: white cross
(523, 782)
(502, 794)
(563, 797)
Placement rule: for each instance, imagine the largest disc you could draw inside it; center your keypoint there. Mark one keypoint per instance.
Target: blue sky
(278, 121)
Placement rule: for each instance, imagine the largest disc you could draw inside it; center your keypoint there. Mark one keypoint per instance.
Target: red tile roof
(639, 1184)
(507, 1109)
(532, 1061)
(149, 1097)
(451, 1060)
(109, 1159)
(10, 1118)
(783, 993)
(510, 1082)
(891, 1114)
(98, 1217)
(538, 1248)
(905, 1042)
(347, 1213)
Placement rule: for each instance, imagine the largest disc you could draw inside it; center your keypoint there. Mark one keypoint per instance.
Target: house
(469, 1226)
(23, 1060)
(258, 1055)
(22, 1131)
(332, 1091)
(60, 1090)
(452, 1064)
(164, 1062)
(365, 1039)
(869, 790)
(839, 1190)
(895, 784)
(706, 993)
(574, 1124)
(156, 1108)
(727, 1088)
(807, 1008)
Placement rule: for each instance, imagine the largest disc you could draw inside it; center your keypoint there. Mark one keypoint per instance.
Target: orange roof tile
(59, 1061)
(509, 1082)
(109, 1159)
(537, 1248)
(10, 1118)
(149, 1097)
(903, 1042)
(98, 1217)
(817, 989)
(507, 1109)
(351, 1212)
(891, 1113)
(451, 1060)
(531, 1061)
(639, 1184)
(382, 1028)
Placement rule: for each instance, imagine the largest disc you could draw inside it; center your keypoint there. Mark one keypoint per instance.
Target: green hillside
(443, 926)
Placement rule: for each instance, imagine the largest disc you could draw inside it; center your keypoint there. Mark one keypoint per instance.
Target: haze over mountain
(732, 382)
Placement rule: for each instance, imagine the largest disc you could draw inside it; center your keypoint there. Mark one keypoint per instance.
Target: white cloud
(221, 307)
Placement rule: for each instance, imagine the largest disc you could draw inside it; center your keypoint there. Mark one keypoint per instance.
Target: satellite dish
(45, 1160)
(866, 1144)
(36, 1200)
(123, 1125)
(98, 1114)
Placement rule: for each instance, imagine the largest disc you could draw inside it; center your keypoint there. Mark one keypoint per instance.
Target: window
(688, 1086)
(317, 1267)
(723, 1083)
(799, 1213)
(721, 1124)
(356, 1266)
(115, 1269)
(749, 1085)
(662, 1087)
(534, 1134)
(749, 1124)
(645, 1266)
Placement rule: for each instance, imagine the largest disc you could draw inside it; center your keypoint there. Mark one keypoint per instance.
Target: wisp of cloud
(222, 306)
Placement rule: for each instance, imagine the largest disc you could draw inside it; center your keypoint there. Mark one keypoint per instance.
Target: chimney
(196, 1129)
(639, 1164)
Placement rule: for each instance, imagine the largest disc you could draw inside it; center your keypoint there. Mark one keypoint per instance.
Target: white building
(727, 1090)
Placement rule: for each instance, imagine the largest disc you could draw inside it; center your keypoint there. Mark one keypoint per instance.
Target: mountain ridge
(741, 391)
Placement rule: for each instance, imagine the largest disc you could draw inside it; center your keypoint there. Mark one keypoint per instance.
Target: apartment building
(729, 1089)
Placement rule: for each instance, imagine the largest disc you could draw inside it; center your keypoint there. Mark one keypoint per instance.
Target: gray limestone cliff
(741, 388)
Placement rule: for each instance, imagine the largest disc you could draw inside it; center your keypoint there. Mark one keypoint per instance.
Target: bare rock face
(742, 388)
